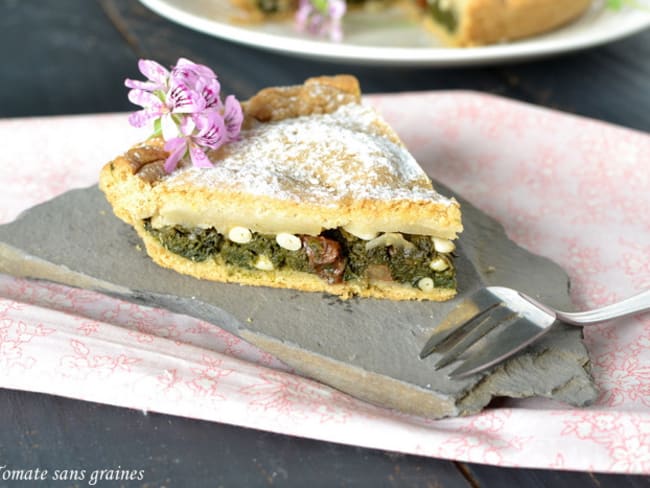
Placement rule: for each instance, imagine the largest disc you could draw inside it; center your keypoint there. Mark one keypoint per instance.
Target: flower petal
(321, 17)
(143, 98)
(169, 127)
(336, 9)
(187, 125)
(141, 118)
(173, 144)
(153, 71)
(199, 158)
(302, 14)
(233, 117)
(211, 130)
(177, 148)
(210, 93)
(336, 33)
(192, 73)
(141, 85)
(182, 99)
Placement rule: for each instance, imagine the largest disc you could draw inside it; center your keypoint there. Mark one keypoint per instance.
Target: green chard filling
(335, 255)
(443, 14)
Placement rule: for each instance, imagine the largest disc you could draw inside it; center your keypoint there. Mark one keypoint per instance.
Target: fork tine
(460, 317)
(520, 334)
(496, 316)
(443, 340)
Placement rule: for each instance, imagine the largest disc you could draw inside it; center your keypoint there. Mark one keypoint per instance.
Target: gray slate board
(368, 348)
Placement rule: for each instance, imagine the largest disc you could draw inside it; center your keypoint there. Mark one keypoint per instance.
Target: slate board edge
(445, 405)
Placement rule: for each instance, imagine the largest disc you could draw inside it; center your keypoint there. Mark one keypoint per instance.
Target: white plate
(387, 38)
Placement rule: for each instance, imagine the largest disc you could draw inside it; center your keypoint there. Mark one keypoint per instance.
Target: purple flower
(178, 100)
(186, 108)
(321, 17)
(197, 132)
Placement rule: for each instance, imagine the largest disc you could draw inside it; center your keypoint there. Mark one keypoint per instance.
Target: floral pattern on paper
(626, 437)
(82, 363)
(624, 376)
(207, 377)
(635, 263)
(479, 439)
(15, 337)
(573, 190)
(295, 397)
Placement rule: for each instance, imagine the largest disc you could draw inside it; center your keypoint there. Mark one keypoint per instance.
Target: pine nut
(263, 263)
(394, 239)
(363, 235)
(439, 264)
(443, 245)
(426, 284)
(288, 241)
(240, 235)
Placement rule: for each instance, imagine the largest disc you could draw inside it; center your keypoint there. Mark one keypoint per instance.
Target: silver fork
(504, 321)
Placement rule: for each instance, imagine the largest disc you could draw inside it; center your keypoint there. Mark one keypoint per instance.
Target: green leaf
(157, 128)
(617, 5)
(320, 5)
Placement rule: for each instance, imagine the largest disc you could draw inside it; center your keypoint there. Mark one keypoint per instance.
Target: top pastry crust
(310, 157)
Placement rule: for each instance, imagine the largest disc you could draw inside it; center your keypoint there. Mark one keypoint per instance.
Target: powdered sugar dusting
(322, 159)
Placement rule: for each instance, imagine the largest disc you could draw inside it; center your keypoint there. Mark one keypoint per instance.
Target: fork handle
(630, 306)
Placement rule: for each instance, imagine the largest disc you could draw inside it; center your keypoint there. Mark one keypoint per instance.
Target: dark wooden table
(70, 56)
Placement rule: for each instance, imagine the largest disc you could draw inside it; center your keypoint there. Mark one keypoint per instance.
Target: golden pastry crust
(137, 188)
(484, 22)
(318, 95)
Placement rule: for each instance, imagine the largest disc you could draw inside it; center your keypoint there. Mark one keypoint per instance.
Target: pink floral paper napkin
(572, 189)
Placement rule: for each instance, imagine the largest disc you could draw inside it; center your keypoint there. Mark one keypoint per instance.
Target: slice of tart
(478, 22)
(318, 194)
